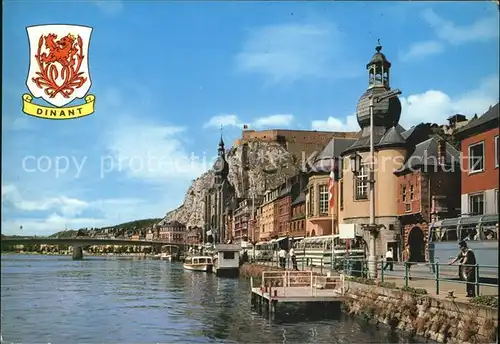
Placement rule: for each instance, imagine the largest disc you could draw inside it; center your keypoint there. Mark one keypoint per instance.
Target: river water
(53, 299)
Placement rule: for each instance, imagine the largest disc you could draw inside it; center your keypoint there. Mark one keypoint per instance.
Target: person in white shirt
(389, 260)
(282, 257)
(293, 258)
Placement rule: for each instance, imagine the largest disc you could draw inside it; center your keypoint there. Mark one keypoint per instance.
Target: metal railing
(298, 283)
(485, 275)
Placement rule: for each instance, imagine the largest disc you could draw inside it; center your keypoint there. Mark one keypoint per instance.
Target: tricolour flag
(331, 182)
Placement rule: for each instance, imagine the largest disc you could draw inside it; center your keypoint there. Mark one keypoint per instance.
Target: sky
(167, 75)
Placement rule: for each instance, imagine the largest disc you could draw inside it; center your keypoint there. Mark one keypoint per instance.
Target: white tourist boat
(199, 263)
(166, 256)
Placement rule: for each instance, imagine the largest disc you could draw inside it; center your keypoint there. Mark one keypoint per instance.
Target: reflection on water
(58, 300)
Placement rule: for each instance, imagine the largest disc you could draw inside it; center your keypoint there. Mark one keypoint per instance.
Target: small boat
(199, 263)
(166, 256)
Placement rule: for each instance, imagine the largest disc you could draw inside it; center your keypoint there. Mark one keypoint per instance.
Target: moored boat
(199, 263)
(166, 256)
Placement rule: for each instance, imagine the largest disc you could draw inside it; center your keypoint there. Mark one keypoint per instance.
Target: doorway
(416, 245)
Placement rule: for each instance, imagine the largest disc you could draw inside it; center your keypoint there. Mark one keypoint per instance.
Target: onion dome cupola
(386, 113)
(221, 167)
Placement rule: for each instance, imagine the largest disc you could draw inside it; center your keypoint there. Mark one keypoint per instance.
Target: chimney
(441, 152)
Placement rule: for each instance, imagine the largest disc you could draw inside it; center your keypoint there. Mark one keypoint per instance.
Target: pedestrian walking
(389, 260)
(294, 259)
(468, 261)
(407, 260)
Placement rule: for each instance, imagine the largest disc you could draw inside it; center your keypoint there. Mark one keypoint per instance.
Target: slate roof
(489, 116)
(426, 154)
(301, 198)
(285, 191)
(381, 136)
(332, 150)
(391, 137)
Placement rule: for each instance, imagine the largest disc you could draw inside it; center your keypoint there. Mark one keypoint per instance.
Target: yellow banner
(58, 113)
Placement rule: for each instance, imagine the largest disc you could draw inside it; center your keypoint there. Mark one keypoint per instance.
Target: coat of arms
(59, 71)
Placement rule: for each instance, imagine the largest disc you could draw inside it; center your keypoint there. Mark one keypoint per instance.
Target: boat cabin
(227, 260)
(198, 260)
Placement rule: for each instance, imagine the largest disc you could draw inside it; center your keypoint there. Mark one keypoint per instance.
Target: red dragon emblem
(59, 69)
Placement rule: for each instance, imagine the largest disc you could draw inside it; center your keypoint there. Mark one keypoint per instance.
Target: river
(53, 299)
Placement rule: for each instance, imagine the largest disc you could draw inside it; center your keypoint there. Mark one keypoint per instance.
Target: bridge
(78, 242)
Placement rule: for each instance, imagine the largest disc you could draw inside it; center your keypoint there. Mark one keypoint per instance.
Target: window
(476, 157)
(496, 200)
(476, 204)
(407, 207)
(411, 192)
(311, 201)
(341, 196)
(362, 183)
(404, 194)
(497, 151)
(323, 199)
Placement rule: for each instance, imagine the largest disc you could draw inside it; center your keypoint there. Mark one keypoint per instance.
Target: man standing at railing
(468, 261)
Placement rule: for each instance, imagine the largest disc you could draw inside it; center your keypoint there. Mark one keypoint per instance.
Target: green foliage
(64, 234)
(388, 285)
(121, 228)
(485, 300)
(417, 291)
(137, 224)
(361, 280)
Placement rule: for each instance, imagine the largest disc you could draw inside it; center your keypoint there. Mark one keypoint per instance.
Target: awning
(298, 238)
(281, 239)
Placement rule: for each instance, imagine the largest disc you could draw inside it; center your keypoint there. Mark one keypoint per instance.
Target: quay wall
(248, 270)
(440, 320)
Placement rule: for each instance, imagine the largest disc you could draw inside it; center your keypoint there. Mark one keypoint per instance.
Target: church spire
(221, 149)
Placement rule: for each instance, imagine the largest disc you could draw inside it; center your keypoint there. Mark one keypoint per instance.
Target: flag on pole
(331, 182)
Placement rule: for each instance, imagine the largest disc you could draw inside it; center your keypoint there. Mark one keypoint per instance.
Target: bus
(481, 234)
(317, 251)
(263, 251)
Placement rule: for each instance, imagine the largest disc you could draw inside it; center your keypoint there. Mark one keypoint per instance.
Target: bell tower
(378, 69)
(386, 113)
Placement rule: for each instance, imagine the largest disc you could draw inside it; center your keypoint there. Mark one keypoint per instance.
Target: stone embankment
(411, 310)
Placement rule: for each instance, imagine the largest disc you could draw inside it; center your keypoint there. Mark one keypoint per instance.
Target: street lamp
(372, 227)
(355, 163)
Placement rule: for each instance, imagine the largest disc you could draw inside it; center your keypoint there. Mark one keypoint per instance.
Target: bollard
(476, 271)
(436, 268)
(382, 271)
(406, 274)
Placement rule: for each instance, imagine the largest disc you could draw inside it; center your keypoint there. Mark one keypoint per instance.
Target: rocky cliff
(253, 167)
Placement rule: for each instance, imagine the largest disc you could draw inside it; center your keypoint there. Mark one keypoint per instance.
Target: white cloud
(271, 121)
(224, 121)
(436, 106)
(288, 52)
(152, 153)
(446, 31)
(421, 49)
(349, 123)
(62, 212)
(482, 29)
(432, 106)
